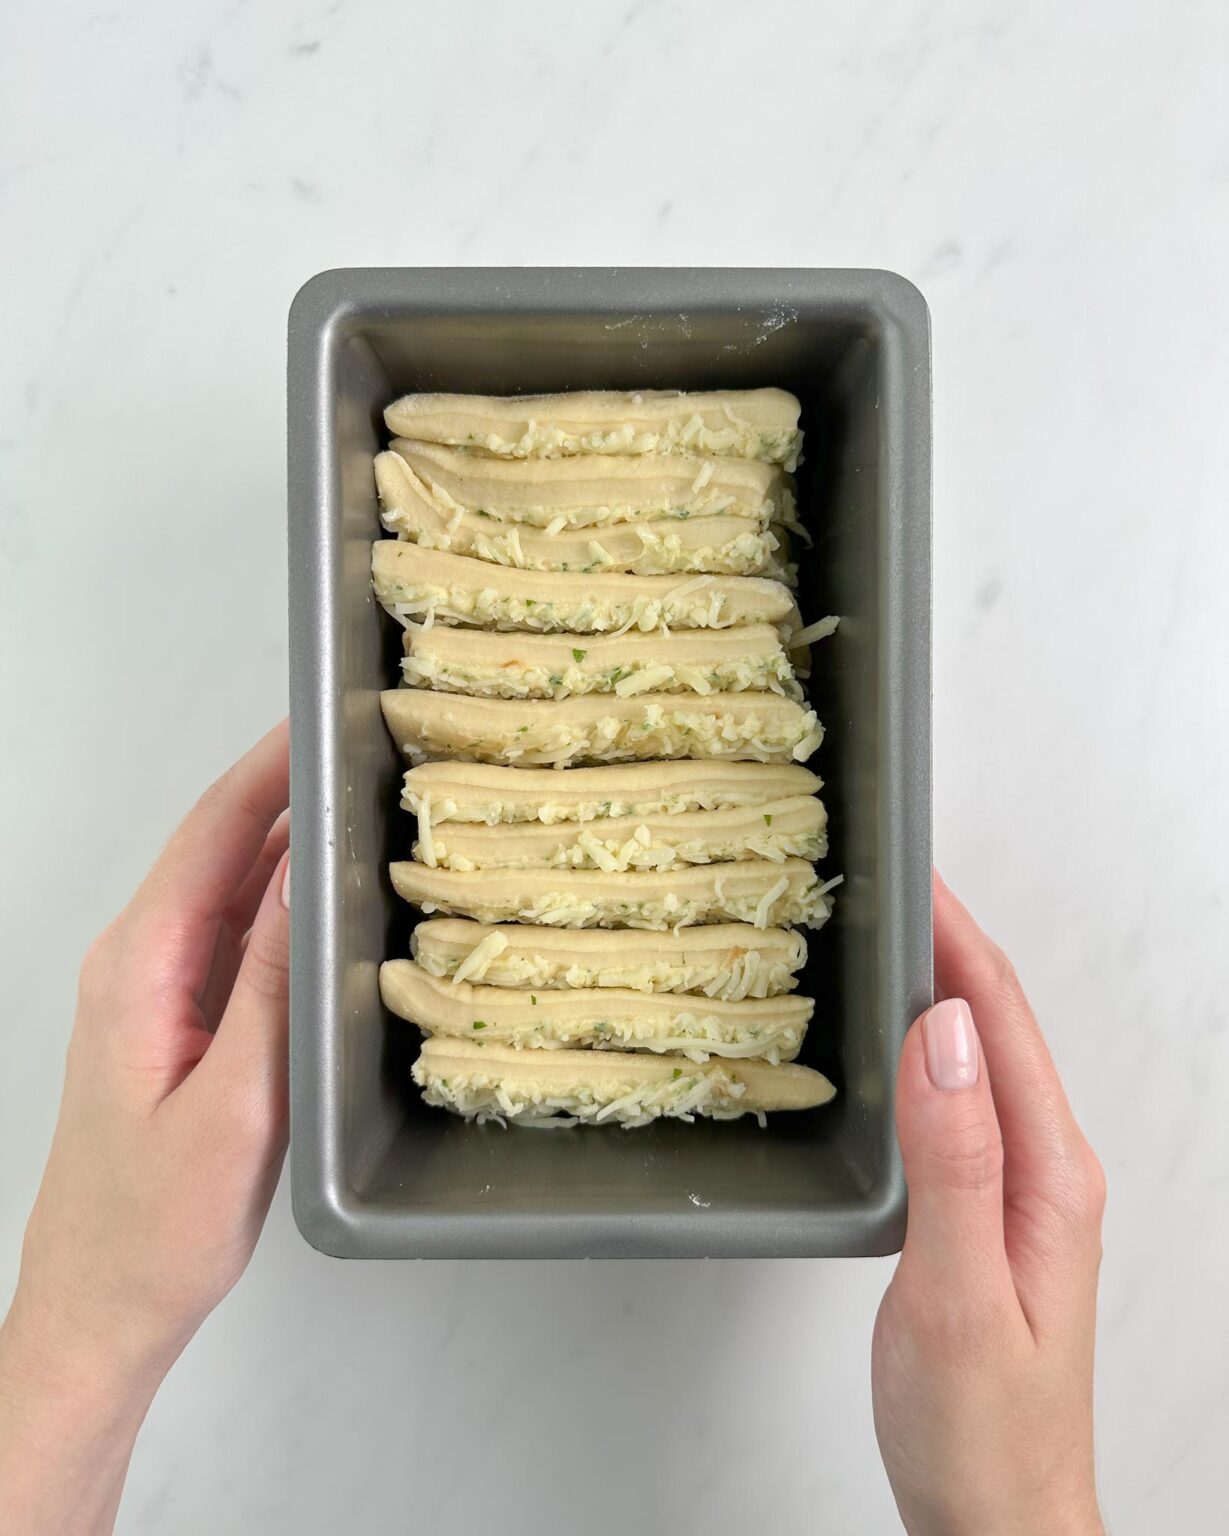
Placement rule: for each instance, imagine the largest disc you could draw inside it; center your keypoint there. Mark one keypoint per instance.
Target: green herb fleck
(678, 1072)
(521, 729)
(556, 680)
(482, 512)
(533, 1000)
(479, 1023)
(577, 655)
(529, 601)
(767, 819)
(564, 566)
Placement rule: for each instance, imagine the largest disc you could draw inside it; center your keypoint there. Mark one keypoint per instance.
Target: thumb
(952, 1149)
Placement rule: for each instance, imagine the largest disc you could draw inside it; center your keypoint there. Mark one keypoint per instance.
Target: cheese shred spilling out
(711, 1094)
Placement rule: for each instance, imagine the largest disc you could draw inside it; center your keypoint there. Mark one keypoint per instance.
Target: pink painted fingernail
(951, 1044)
(286, 887)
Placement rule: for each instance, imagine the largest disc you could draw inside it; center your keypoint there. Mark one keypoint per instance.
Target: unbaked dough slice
(611, 1018)
(738, 423)
(496, 1082)
(416, 583)
(484, 792)
(488, 664)
(590, 490)
(655, 546)
(726, 960)
(599, 728)
(781, 829)
(755, 891)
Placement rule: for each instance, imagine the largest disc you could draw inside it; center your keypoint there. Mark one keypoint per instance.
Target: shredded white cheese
(820, 630)
(641, 851)
(779, 908)
(769, 900)
(426, 843)
(739, 439)
(511, 811)
(474, 966)
(699, 1036)
(663, 731)
(581, 614)
(711, 1092)
(751, 975)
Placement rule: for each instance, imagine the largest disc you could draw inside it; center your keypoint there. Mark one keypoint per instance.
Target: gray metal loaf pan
(376, 1174)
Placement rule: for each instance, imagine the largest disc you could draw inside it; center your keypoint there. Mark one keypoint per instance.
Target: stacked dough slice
(601, 707)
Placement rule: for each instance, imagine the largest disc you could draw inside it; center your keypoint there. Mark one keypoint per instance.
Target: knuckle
(242, 1121)
(966, 1325)
(215, 796)
(266, 965)
(968, 1156)
(1076, 1194)
(228, 797)
(99, 966)
(1098, 1185)
(1004, 976)
(1089, 1190)
(256, 1115)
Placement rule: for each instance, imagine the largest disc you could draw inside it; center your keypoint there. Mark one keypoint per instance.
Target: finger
(953, 1156)
(220, 983)
(204, 865)
(246, 1065)
(202, 871)
(1052, 1184)
(232, 931)
(1027, 1088)
(241, 911)
(234, 1106)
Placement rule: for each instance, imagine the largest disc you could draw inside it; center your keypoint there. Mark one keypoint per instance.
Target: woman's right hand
(983, 1352)
(170, 1140)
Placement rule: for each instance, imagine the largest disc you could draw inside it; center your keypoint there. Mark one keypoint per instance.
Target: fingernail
(951, 1044)
(286, 887)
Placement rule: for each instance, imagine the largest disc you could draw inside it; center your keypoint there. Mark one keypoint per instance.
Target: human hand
(170, 1140)
(983, 1350)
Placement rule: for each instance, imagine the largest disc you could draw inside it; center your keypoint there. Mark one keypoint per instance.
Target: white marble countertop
(1056, 178)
